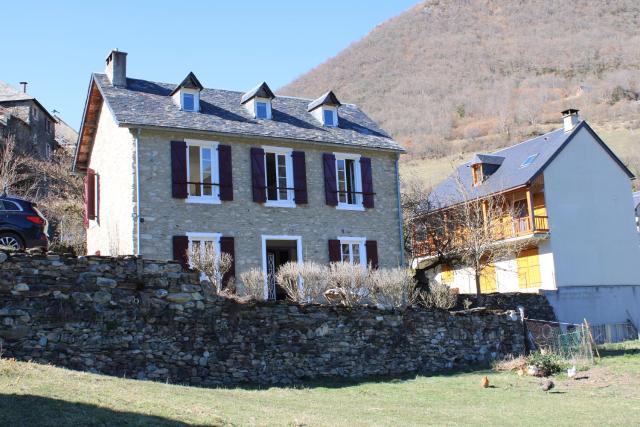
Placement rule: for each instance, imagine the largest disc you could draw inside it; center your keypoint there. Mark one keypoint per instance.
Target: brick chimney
(117, 68)
(571, 119)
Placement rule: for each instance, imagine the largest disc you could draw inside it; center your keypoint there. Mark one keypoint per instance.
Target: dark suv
(22, 225)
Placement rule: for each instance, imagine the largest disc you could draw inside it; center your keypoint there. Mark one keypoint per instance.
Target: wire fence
(570, 341)
(615, 332)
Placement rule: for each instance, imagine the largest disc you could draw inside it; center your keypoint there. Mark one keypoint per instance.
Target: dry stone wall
(150, 320)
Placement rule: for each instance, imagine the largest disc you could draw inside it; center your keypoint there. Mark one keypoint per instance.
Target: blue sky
(231, 45)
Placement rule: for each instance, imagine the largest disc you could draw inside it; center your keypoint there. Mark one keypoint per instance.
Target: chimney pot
(24, 87)
(117, 68)
(571, 119)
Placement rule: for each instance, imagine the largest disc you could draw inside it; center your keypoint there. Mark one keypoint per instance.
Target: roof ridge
(529, 140)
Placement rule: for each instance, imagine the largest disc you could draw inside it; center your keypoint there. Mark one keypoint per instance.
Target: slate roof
(9, 93)
(327, 98)
(261, 91)
(511, 174)
(148, 104)
(487, 159)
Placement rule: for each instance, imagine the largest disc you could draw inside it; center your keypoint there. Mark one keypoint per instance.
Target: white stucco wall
(112, 159)
(592, 228)
(507, 276)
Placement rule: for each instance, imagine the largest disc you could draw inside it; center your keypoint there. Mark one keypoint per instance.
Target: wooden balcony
(509, 229)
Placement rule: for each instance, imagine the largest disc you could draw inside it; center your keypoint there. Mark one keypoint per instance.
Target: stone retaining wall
(147, 319)
(536, 306)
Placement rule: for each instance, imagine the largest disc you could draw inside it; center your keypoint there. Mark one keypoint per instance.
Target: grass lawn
(607, 394)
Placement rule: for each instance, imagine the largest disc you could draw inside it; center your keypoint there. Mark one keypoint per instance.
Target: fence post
(525, 333)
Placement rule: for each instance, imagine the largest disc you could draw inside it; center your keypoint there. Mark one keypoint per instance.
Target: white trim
(214, 199)
(283, 151)
(358, 206)
(196, 99)
(344, 240)
(255, 108)
(265, 237)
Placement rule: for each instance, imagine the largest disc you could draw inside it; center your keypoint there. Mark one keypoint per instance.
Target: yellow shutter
(488, 279)
(529, 269)
(446, 275)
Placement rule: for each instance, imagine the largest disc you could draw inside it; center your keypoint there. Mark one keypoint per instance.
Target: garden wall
(148, 319)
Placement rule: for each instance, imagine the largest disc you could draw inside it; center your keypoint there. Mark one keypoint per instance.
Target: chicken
(485, 382)
(571, 372)
(547, 385)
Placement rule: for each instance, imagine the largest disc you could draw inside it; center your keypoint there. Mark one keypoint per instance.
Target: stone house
(22, 116)
(569, 198)
(266, 178)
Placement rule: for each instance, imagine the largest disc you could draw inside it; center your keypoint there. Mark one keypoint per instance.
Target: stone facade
(147, 319)
(536, 306)
(247, 221)
(31, 125)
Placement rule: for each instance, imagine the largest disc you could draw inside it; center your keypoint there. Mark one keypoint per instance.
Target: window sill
(347, 207)
(280, 204)
(203, 200)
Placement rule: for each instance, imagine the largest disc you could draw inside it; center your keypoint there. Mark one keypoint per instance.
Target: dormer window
(187, 94)
(483, 166)
(258, 101)
(325, 109)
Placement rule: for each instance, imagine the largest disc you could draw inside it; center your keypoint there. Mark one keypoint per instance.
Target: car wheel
(11, 241)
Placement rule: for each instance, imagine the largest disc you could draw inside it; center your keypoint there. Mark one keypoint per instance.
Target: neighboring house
(636, 208)
(570, 195)
(266, 178)
(66, 136)
(22, 116)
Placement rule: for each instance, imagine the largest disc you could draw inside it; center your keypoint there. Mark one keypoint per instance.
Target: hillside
(447, 79)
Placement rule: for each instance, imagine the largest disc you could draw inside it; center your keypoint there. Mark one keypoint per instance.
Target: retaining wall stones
(148, 319)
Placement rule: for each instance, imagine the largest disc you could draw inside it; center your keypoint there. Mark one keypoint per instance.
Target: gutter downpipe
(400, 220)
(137, 170)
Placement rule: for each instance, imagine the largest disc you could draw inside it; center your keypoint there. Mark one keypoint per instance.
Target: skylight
(529, 160)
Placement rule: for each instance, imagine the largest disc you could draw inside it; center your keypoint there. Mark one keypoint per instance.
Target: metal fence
(615, 332)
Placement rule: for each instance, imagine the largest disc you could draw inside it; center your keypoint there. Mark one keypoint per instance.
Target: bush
(253, 283)
(392, 288)
(439, 296)
(348, 282)
(303, 283)
(547, 363)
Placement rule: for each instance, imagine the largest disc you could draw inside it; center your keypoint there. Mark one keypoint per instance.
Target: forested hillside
(449, 78)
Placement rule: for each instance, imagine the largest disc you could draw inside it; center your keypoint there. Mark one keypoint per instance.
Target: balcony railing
(518, 227)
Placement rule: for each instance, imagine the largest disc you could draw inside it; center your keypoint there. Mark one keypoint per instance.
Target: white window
(349, 181)
(262, 110)
(203, 240)
(279, 176)
(188, 102)
(202, 172)
(353, 251)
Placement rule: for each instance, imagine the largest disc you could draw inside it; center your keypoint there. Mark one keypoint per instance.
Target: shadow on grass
(27, 410)
(611, 352)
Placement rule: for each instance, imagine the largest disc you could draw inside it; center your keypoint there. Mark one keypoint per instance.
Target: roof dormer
(483, 166)
(187, 94)
(325, 109)
(258, 101)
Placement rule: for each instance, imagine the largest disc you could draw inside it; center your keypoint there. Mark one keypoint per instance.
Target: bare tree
(214, 265)
(14, 170)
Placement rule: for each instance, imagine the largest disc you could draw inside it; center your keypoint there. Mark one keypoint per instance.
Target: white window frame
(289, 202)
(196, 99)
(203, 237)
(358, 206)
(215, 172)
(360, 241)
(255, 108)
(334, 112)
(299, 260)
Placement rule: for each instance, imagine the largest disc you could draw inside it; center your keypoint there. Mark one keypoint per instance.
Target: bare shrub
(288, 277)
(438, 296)
(349, 282)
(510, 363)
(392, 287)
(206, 259)
(253, 283)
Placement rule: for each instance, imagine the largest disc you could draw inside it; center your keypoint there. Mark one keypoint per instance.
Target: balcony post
(532, 223)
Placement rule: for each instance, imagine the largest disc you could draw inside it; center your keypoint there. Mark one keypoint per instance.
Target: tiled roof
(512, 172)
(148, 104)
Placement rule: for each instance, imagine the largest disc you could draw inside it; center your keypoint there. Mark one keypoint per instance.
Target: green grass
(608, 394)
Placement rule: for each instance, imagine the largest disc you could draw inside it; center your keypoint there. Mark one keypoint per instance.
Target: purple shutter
(299, 177)
(334, 251)
(367, 182)
(371, 247)
(180, 249)
(227, 246)
(257, 175)
(90, 192)
(179, 169)
(224, 170)
(330, 183)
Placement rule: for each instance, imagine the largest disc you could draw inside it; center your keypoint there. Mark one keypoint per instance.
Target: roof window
(258, 101)
(187, 94)
(529, 160)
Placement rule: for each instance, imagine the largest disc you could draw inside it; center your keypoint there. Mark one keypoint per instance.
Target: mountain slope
(447, 78)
